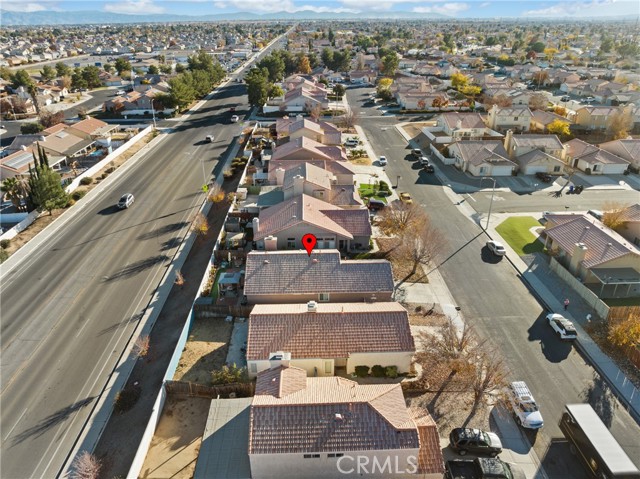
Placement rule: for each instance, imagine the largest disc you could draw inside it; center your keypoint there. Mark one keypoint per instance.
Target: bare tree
(315, 111)
(350, 118)
(420, 244)
(50, 118)
(615, 216)
(490, 376)
(500, 99)
(620, 124)
(85, 466)
(398, 217)
(451, 343)
(538, 101)
(141, 346)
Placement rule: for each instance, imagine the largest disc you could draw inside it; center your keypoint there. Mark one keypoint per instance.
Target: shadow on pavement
(137, 267)
(488, 257)
(601, 398)
(553, 349)
(109, 210)
(170, 228)
(559, 463)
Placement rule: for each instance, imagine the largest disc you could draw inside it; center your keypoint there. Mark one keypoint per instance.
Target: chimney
(280, 176)
(298, 185)
(579, 253)
(458, 124)
(279, 358)
(507, 142)
(271, 243)
(312, 307)
(256, 225)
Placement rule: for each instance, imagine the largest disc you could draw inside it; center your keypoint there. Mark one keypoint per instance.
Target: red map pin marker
(309, 242)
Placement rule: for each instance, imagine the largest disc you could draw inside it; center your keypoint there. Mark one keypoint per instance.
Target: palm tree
(33, 91)
(15, 190)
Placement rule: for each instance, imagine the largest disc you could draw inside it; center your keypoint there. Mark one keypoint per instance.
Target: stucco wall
(346, 297)
(400, 359)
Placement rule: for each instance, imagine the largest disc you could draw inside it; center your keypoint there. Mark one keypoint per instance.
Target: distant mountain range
(101, 18)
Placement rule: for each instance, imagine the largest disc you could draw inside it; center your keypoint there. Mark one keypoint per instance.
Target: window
(596, 167)
(291, 243)
(515, 118)
(311, 456)
(323, 297)
(253, 367)
(556, 169)
(328, 367)
(336, 454)
(483, 169)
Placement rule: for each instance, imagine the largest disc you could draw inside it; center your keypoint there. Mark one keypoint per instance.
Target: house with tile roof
(594, 160)
(318, 427)
(91, 128)
(482, 157)
(326, 338)
(541, 120)
(279, 277)
(282, 226)
(628, 149)
(289, 129)
(518, 145)
(537, 161)
(602, 259)
(516, 118)
(631, 228)
(342, 171)
(595, 117)
(303, 148)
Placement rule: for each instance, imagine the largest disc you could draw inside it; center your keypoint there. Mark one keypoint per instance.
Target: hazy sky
(457, 9)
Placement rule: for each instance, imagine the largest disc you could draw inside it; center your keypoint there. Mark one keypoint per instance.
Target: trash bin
(571, 189)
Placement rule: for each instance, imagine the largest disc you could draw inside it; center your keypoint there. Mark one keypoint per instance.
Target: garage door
(533, 169)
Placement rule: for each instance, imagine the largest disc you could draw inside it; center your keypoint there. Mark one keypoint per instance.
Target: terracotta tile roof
(603, 244)
(310, 173)
(546, 117)
(335, 167)
(54, 129)
(345, 195)
(430, 460)
(335, 330)
(297, 273)
(632, 213)
(89, 125)
(467, 120)
(314, 150)
(580, 150)
(537, 155)
(331, 414)
(307, 209)
(599, 110)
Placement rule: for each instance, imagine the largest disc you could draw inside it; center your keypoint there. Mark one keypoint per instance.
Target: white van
(524, 405)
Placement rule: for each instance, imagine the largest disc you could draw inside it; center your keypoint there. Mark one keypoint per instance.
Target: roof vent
(266, 261)
(314, 260)
(312, 307)
(339, 417)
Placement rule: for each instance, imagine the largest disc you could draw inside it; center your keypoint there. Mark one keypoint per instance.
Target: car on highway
(235, 119)
(496, 248)
(523, 405)
(406, 198)
(209, 139)
(382, 161)
(476, 441)
(125, 201)
(562, 327)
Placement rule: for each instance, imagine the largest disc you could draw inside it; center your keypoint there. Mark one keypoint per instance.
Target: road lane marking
(14, 426)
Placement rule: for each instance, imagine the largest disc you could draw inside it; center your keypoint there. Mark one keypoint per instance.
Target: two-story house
(516, 118)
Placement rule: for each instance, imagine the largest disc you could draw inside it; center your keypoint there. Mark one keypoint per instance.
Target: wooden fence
(186, 388)
(214, 310)
(620, 313)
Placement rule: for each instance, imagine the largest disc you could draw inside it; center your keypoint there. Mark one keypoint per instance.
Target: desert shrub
(76, 195)
(126, 399)
(5, 243)
(229, 374)
(378, 371)
(87, 180)
(70, 202)
(391, 371)
(3, 255)
(362, 371)
(384, 186)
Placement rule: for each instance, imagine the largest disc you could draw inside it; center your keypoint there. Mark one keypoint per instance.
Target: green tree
(5, 73)
(31, 128)
(91, 75)
(153, 70)
(108, 67)
(21, 78)
(275, 66)
(45, 185)
(339, 91)
(77, 78)
(390, 64)
(181, 92)
(537, 47)
(258, 86)
(122, 65)
(275, 91)
(48, 73)
(63, 69)
(180, 68)
(166, 69)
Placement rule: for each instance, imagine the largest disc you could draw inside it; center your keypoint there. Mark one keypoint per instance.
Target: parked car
(589, 99)
(406, 198)
(429, 168)
(597, 214)
(482, 468)
(351, 142)
(209, 139)
(463, 440)
(121, 92)
(424, 161)
(416, 152)
(496, 248)
(375, 204)
(565, 98)
(235, 119)
(125, 201)
(544, 177)
(562, 326)
(524, 406)
(382, 160)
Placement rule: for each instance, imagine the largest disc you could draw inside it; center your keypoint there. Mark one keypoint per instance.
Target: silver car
(125, 201)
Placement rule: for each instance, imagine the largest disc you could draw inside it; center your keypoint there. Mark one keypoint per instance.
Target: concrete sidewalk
(551, 292)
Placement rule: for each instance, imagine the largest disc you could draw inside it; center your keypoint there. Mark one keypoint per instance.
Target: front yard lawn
(515, 231)
(367, 191)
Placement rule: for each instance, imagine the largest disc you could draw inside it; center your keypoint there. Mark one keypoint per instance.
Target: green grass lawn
(366, 191)
(515, 231)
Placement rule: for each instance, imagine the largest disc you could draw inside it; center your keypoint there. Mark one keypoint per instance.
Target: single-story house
(319, 131)
(317, 427)
(323, 338)
(303, 148)
(628, 149)
(322, 276)
(282, 226)
(537, 161)
(593, 160)
(342, 170)
(482, 157)
(602, 259)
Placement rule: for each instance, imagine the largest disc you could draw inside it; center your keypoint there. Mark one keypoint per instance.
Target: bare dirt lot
(206, 350)
(174, 448)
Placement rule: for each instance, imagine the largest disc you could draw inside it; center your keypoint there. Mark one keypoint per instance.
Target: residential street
(499, 305)
(75, 302)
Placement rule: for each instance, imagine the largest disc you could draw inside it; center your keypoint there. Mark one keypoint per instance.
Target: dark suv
(463, 440)
(544, 177)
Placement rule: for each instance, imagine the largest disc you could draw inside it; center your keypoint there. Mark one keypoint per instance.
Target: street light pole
(398, 180)
(493, 192)
(153, 112)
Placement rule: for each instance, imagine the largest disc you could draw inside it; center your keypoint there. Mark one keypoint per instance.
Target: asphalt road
(70, 308)
(501, 308)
